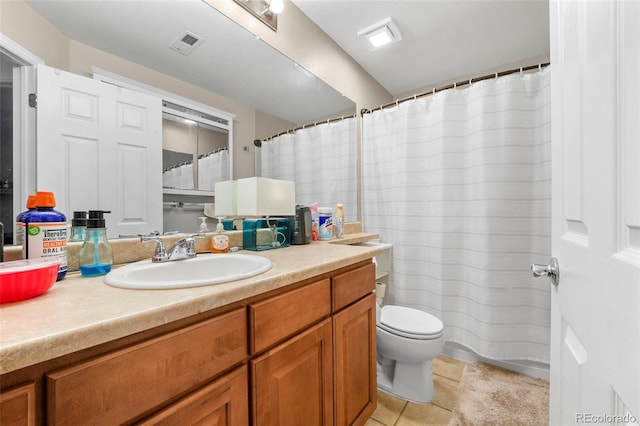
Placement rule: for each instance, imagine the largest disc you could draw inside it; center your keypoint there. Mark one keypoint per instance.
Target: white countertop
(78, 313)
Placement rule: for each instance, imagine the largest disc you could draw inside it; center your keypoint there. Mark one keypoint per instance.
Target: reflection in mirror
(8, 175)
(195, 152)
(231, 74)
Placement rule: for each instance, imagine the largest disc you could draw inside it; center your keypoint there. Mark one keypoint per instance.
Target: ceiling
(442, 40)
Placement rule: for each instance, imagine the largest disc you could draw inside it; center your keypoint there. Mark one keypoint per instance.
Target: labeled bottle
(220, 241)
(96, 255)
(46, 232)
(18, 236)
(314, 221)
(325, 223)
(339, 220)
(78, 226)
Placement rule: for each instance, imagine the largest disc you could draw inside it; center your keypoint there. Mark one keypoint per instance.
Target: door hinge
(33, 100)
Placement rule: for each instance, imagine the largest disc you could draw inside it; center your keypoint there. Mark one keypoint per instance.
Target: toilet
(408, 340)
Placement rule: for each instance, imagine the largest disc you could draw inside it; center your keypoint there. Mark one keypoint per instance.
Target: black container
(302, 226)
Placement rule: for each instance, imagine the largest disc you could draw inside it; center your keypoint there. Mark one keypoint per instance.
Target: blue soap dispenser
(96, 255)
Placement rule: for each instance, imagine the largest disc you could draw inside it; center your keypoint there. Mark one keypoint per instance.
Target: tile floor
(393, 411)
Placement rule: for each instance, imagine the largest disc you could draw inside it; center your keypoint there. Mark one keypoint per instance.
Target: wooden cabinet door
(223, 402)
(18, 406)
(293, 382)
(354, 340)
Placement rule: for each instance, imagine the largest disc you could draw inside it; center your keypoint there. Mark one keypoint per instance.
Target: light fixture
(274, 202)
(276, 6)
(225, 198)
(380, 34)
(258, 196)
(265, 10)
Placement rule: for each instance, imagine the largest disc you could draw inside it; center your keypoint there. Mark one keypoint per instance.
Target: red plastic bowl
(24, 279)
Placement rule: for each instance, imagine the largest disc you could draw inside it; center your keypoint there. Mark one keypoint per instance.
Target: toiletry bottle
(339, 220)
(203, 224)
(96, 255)
(325, 223)
(314, 221)
(18, 236)
(46, 232)
(220, 241)
(78, 226)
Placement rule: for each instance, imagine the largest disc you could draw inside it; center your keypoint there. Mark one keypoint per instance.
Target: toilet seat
(410, 323)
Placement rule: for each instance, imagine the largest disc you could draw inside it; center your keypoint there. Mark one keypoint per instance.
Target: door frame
(24, 122)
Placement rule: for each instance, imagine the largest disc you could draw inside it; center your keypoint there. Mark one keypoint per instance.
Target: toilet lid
(410, 321)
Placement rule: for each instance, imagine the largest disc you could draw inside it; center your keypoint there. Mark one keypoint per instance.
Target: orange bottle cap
(31, 202)
(45, 199)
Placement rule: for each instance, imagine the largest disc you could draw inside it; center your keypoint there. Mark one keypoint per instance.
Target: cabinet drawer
(225, 401)
(276, 318)
(127, 383)
(350, 286)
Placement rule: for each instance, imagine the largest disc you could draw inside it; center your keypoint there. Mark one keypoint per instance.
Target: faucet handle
(191, 243)
(160, 253)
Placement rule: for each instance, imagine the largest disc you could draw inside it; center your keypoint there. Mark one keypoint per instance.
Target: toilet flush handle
(552, 270)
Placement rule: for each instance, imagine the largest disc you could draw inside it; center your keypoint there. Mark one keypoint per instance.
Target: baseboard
(530, 368)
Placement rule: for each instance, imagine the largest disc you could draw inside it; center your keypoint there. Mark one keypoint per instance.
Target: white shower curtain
(460, 183)
(321, 160)
(213, 167)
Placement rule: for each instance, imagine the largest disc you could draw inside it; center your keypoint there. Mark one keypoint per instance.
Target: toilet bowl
(407, 339)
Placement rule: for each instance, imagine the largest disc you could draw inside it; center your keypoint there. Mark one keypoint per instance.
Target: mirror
(231, 69)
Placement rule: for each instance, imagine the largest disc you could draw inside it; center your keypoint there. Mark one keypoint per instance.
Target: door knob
(552, 270)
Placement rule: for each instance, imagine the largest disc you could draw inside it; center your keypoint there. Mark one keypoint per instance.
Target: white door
(99, 147)
(595, 331)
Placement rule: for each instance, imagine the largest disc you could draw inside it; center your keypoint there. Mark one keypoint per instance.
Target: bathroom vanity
(295, 345)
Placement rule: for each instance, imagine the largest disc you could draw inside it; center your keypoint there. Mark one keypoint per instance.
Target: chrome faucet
(184, 248)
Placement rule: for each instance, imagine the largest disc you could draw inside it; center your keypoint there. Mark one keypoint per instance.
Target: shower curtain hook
(470, 82)
(434, 92)
(397, 103)
(415, 97)
(454, 85)
(540, 67)
(520, 70)
(496, 75)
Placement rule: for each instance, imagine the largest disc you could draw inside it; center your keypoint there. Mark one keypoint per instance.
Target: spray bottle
(96, 255)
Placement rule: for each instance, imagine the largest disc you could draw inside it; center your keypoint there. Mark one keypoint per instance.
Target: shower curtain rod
(315, 123)
(455, 86)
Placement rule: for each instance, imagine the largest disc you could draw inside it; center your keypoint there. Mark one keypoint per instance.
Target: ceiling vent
(186, 42)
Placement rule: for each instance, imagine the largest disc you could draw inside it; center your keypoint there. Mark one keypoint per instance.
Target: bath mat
(489, 395)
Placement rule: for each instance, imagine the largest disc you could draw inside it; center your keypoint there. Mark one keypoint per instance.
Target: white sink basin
(204, 269)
